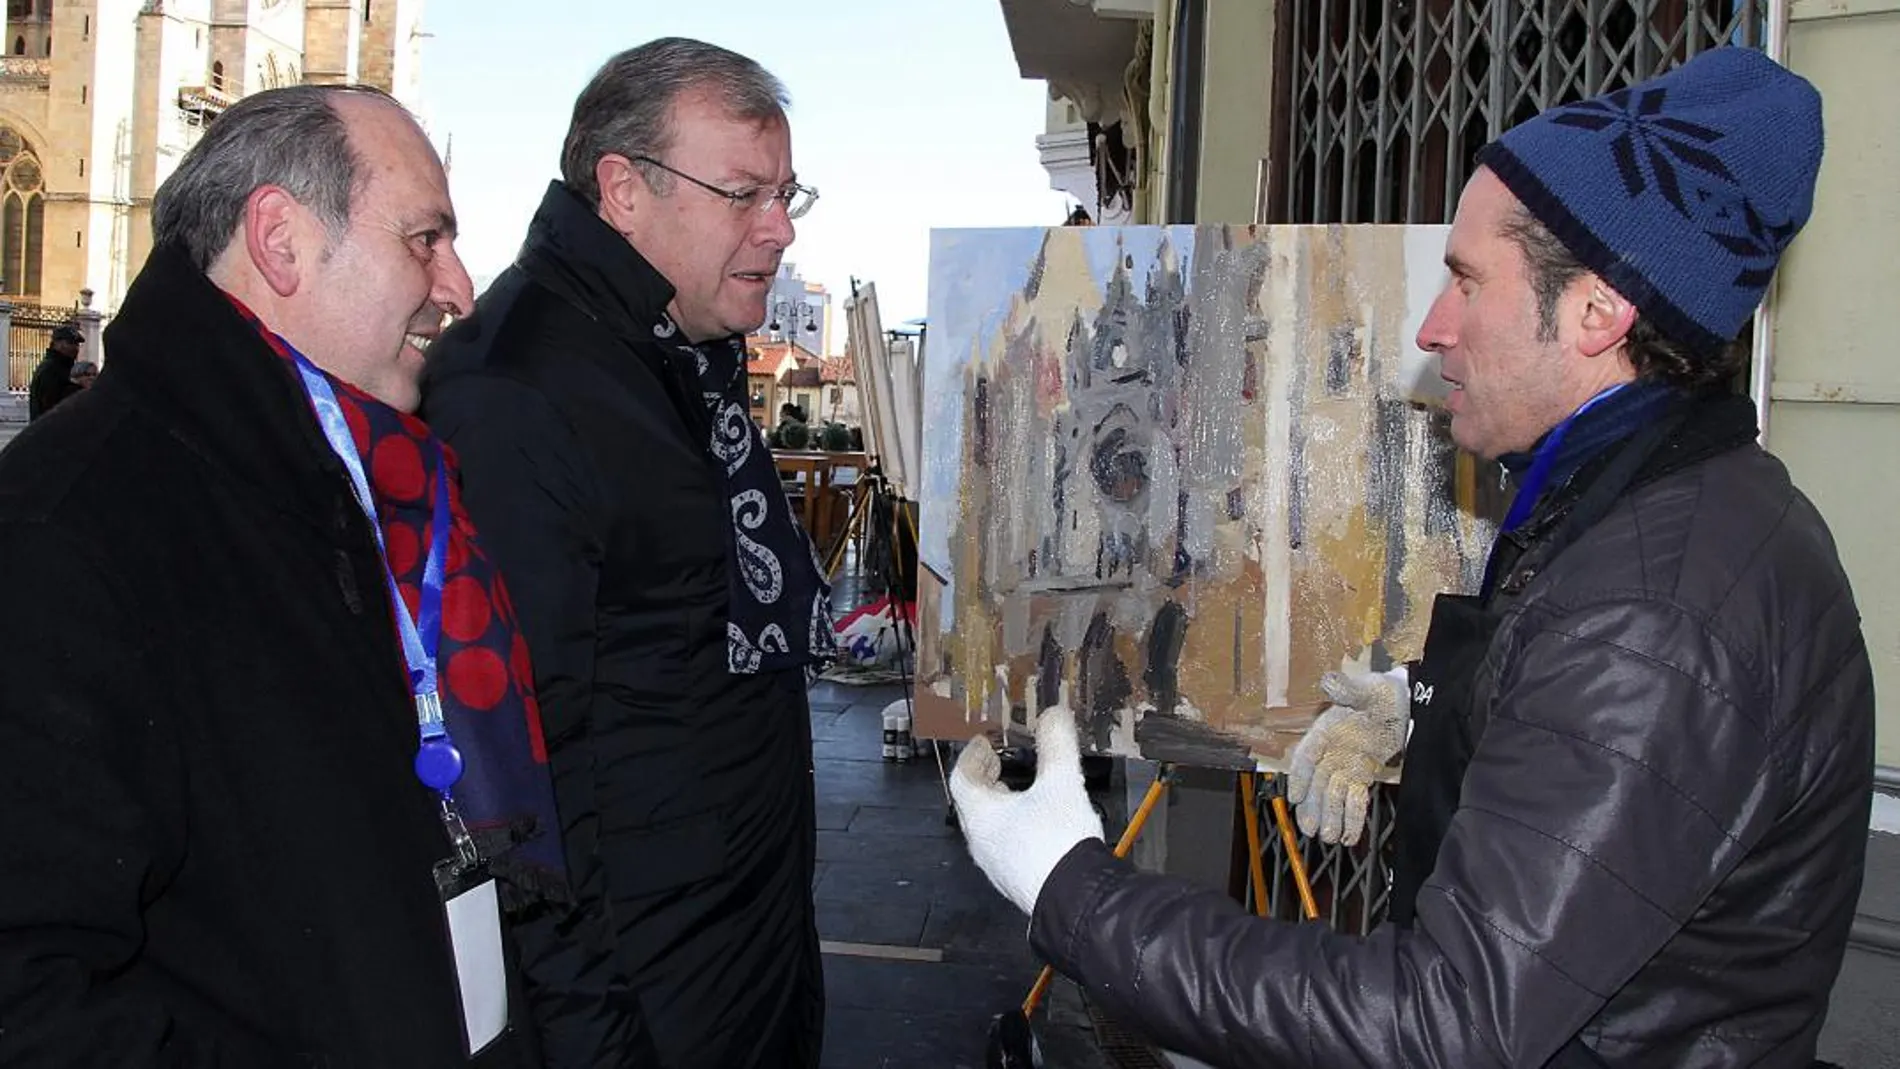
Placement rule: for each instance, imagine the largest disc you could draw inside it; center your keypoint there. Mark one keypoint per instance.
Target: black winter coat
(214, 850)
(1661, 835)
(51, 383)
(685, 790)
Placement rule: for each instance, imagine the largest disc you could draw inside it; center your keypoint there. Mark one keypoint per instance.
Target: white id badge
(474, 918)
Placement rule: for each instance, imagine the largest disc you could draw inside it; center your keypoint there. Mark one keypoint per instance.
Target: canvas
(887, 379)
(1186, 471)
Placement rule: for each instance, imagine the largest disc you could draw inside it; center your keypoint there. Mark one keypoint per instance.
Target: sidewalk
(12, 415)
(920, 951)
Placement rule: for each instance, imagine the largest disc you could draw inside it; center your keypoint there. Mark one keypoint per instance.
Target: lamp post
(783, 309)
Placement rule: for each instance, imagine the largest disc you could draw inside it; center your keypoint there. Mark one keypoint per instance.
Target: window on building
(19, 46)
(22, 215)
(19, 9)
(217, 77)
(13, 244)
(35, 243)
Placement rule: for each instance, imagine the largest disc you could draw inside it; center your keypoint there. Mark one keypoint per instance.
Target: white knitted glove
(1016, 837)
(1329, 779)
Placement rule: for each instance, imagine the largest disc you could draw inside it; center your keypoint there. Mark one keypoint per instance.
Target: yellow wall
(1834, 322)
(1236, 109)
(1151, 194)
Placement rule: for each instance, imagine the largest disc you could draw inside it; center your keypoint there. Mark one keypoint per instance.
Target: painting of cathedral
(1185, 470)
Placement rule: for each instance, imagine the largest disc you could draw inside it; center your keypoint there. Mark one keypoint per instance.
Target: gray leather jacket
(1658, 847)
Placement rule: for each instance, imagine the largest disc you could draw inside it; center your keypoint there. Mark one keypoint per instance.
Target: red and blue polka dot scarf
(505, 796)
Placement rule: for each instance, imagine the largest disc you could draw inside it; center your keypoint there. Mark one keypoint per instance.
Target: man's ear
(273, 238)
(1607, 318)
(623, 188)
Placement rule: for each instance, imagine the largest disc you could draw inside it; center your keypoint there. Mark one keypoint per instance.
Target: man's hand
(1331, 772)
(1016, 838)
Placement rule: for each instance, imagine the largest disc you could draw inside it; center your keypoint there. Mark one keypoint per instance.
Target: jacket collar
(572, 251)
(184, 357)
(1709, 426)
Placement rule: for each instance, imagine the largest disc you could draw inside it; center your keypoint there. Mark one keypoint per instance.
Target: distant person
(1079, 217)
(84, 374)
(225, 842)
(598, 399)
(52, 381)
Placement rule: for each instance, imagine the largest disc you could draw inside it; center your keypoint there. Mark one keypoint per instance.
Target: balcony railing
(210, 99)
(21, 70)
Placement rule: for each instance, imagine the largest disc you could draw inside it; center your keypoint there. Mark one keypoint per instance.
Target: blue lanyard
(438, 762)
(1533, 486)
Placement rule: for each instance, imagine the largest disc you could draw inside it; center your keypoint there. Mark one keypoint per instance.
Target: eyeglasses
(797, 199)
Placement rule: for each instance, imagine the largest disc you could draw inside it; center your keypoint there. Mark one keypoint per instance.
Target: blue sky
(978, 272)
(906, 115)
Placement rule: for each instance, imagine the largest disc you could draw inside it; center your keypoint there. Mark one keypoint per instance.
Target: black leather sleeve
(1610, 793)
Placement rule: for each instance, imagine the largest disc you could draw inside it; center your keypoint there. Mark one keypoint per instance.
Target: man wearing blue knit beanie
(1638, 763)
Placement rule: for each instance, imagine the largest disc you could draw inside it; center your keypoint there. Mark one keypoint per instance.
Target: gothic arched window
(22, 215)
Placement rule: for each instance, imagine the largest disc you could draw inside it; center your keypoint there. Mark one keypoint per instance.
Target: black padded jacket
(1660, 839)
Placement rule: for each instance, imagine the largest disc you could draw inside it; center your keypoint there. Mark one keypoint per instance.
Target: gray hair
(291, 137)
(628, 108)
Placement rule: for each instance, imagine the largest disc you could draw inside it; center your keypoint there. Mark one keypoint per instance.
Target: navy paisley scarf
(778, 603)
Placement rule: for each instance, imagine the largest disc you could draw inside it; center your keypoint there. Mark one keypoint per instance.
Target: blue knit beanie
(1681, 191)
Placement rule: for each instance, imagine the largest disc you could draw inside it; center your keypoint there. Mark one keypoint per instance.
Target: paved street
(12, 415)
(920, 951)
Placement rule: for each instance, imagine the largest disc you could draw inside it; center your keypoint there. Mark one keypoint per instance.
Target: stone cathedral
(100, 98)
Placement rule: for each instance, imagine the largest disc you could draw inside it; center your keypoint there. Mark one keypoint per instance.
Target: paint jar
(906, 746)
(893, 714)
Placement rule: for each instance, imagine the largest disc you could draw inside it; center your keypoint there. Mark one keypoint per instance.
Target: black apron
(1442, 739)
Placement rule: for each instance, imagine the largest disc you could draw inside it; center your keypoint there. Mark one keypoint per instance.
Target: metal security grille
(29, 332)
(1381, 104)
(1350, 883)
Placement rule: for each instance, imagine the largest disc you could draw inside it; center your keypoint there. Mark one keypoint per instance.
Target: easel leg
(1122, 846)
(1256, 865)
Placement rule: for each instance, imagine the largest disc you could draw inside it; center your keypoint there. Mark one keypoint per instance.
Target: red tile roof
(766, 357)
(839, 369)
(763, 345)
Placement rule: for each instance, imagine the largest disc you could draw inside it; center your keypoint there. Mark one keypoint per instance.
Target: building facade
(780, 372)
(798, 312)
(99, 99)
(1339, 111)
